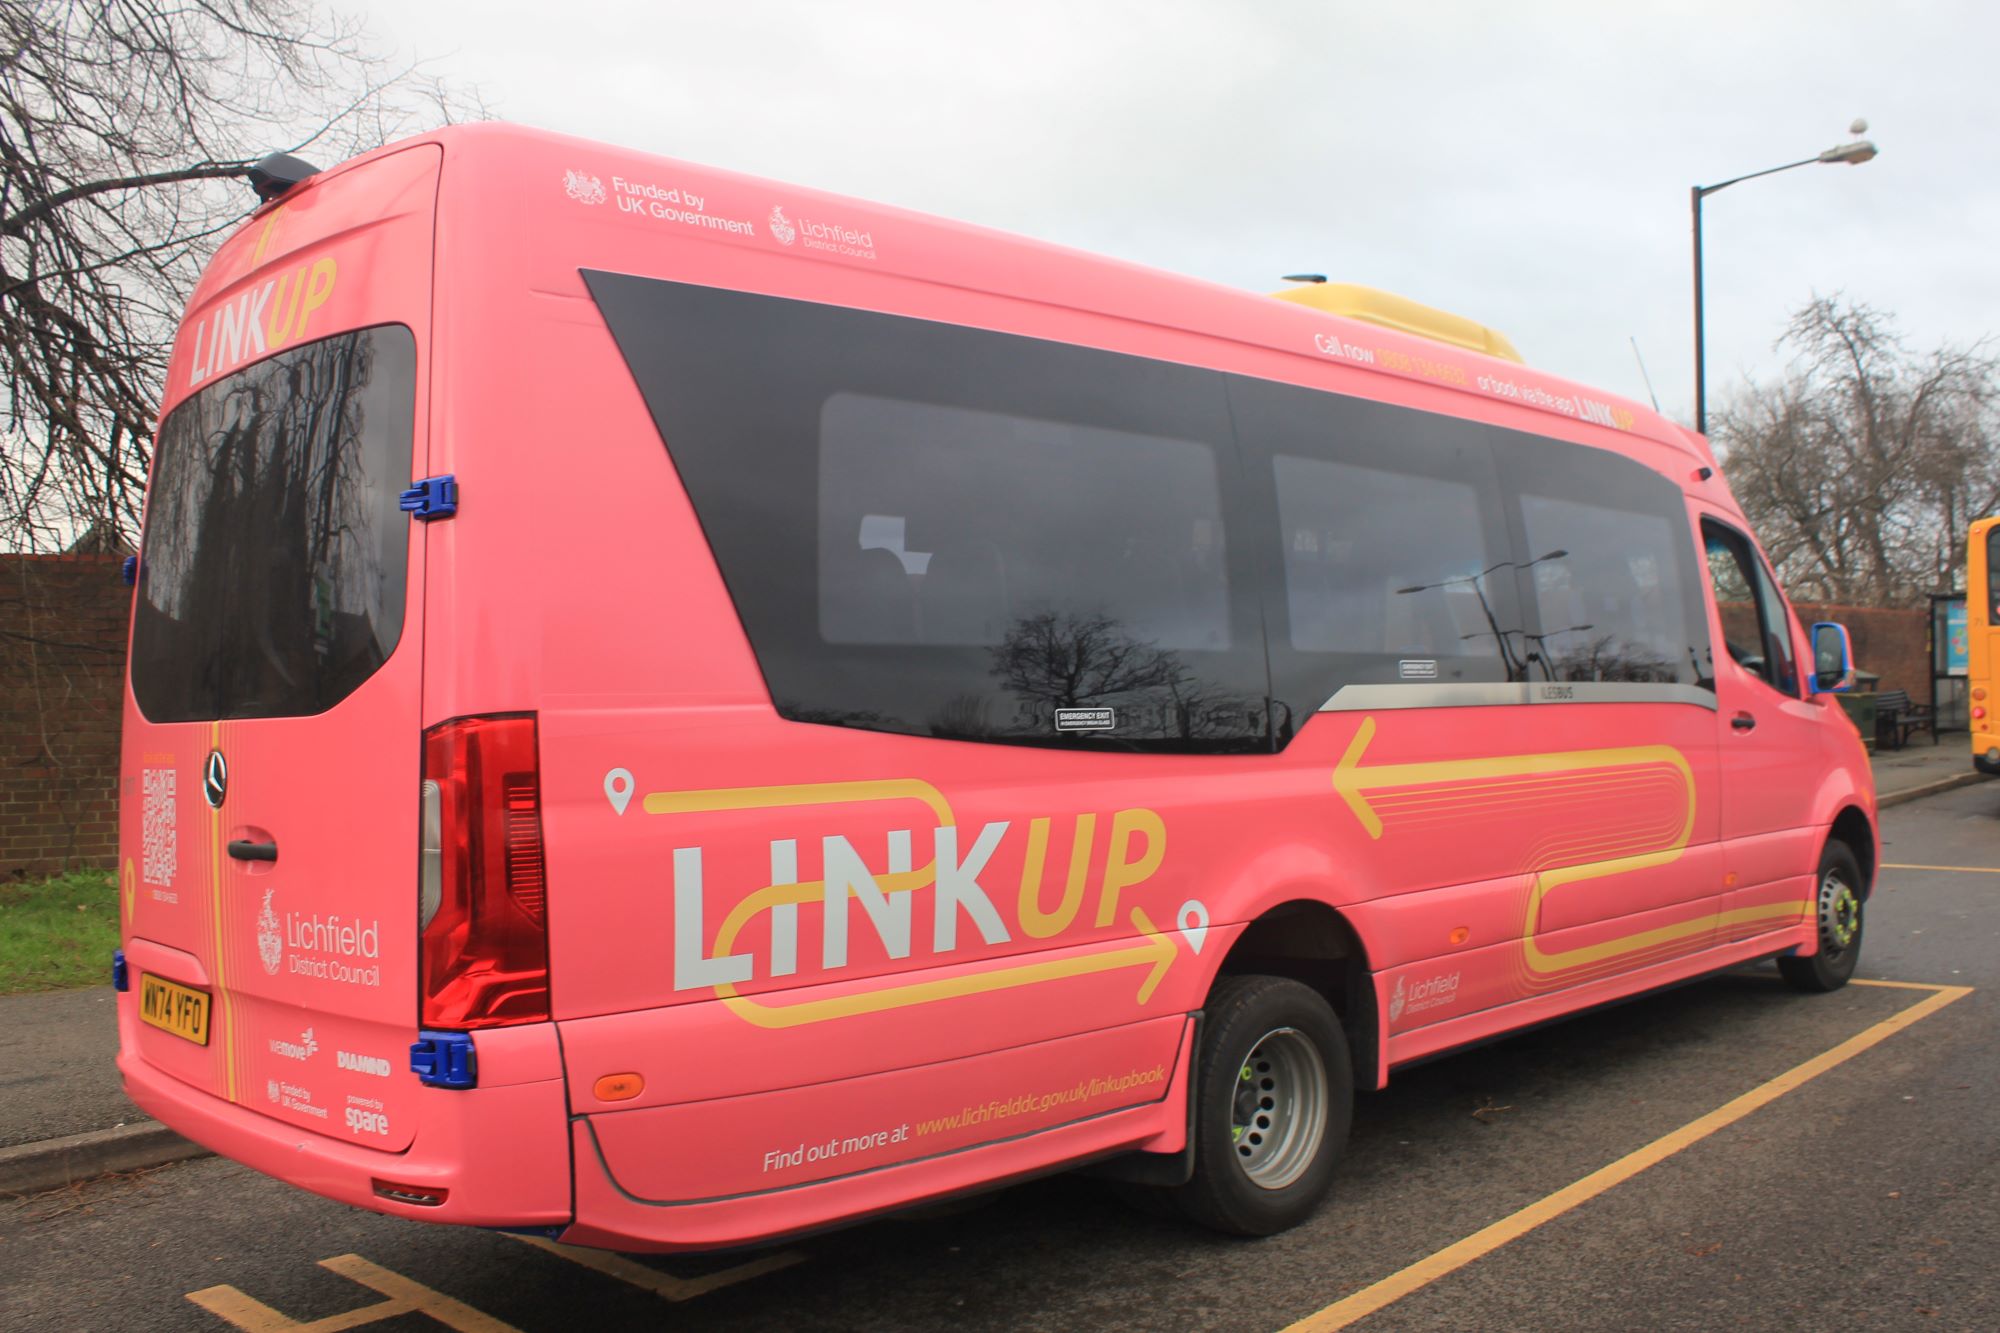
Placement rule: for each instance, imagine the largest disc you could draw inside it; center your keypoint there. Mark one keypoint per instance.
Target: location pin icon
(1193, 921)
(618, 788)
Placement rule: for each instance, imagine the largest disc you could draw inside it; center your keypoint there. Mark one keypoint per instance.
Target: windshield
(272, 579)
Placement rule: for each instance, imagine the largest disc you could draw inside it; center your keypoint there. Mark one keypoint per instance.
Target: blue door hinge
(445, 1060)
(431, 498)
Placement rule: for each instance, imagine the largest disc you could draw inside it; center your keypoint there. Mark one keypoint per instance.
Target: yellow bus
(1982, 632)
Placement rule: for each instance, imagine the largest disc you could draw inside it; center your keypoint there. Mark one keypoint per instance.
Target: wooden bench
(1896, 719)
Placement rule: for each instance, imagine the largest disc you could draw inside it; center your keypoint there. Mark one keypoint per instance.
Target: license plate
(172, 1007)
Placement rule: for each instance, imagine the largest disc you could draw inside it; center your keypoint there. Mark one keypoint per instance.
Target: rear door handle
(245, 850)
(1742, 722)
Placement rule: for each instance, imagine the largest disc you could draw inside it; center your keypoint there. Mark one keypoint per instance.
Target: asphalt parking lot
(1725, 1155)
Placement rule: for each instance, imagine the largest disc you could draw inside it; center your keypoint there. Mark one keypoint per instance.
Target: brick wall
(1892, 642)
(62, 659)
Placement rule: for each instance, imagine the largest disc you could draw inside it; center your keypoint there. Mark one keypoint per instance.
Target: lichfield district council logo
(582, 187)
(270, 940)
(818, 234)
(1430, 993)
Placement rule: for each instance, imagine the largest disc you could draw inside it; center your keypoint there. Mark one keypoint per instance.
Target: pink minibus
(669, 710)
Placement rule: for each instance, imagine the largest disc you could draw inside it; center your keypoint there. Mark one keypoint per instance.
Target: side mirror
(1833, 659)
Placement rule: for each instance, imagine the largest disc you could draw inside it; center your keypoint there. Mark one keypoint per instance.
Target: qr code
(158, 827)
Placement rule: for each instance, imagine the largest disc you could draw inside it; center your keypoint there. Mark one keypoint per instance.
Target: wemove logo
(302, 1049)
(362, 1064)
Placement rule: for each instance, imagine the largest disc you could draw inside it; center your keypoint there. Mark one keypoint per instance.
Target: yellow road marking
(1966, 870)
(405, 1297)
(1512, 1227)
(247, 1312)
(665, 1285)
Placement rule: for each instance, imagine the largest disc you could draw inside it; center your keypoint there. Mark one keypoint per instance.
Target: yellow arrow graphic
(1353, 781)
(1153, 949)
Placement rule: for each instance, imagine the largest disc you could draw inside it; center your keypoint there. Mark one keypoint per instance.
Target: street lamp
(1853, 154)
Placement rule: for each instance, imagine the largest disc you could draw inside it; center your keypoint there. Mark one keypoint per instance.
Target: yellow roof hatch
(1401, 314)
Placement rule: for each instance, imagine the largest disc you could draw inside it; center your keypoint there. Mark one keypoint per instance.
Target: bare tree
(1058, 659)
(1863, 467)
(121, 122)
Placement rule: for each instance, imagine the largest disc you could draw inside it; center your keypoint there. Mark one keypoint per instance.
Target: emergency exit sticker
(1085, 719)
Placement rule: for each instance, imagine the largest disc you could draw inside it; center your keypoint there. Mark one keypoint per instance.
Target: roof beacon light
(1400, 313)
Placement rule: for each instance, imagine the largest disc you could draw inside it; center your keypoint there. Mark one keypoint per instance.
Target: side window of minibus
(959, 533)
(1755, 628)
(1390, 563)
(1608, 574)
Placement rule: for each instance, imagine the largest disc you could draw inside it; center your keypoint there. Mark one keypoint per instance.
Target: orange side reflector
(619, 1087)
(1461, 935)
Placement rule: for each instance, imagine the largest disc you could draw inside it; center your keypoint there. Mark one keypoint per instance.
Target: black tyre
(1839, 908)
(1274, 1098)
(1986, 766)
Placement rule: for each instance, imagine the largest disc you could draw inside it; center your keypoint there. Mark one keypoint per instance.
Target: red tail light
(484, 913)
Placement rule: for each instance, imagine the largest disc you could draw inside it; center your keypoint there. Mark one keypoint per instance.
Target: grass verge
(59, 932)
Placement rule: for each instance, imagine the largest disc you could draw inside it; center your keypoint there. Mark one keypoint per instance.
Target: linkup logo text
(260, 319)
(961, 877)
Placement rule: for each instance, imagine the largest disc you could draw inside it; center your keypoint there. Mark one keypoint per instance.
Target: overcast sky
(1526, 164)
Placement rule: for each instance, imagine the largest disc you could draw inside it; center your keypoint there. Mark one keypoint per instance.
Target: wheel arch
(1853, 827)
(1312, 942)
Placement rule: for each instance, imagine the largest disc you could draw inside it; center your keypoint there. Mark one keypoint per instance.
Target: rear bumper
(501, 1153)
